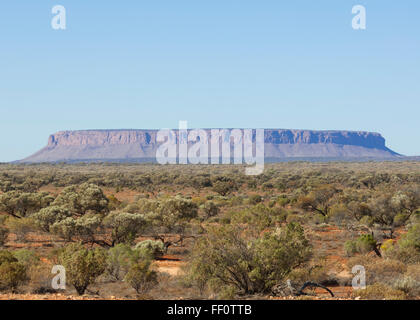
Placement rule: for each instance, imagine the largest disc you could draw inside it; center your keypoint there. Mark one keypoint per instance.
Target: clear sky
(215, 63)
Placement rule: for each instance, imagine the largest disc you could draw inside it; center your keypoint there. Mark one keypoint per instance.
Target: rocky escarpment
(141, 145)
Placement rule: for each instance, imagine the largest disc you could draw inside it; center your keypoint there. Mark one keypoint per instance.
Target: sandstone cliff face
(141, 144)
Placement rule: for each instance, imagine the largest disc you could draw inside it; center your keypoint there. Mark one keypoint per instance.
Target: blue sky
(220, 63)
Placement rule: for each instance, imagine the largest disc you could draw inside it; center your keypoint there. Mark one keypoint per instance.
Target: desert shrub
(283, 200)
(65, 229)
(87, 198)
(387, 248)
(12, 273)
(366, 221)
(380, 292)
(400, 219)
(82, 265)
(315, 273)
(26, 257)
(350, 247)
(141, 277)
(4, 233)
(171, 215)
(383, 210)
(150, 249)
(224, 187)
(132, 208)
(407, 249)
(409, 285)
(364, 244)
(46, 217)
(255, 199)
(125, 226)
(21, 227)
(210, 209)
(21, 204)
(38, 273)
(227, 257)
(384, 271)
(83, 228)
(118, 261)
(319, 200)
(113, 203)
(339, 215)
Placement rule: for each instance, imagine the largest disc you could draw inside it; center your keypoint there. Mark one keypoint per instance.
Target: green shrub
(46, 217)
(141, 277)
(407, 248)
(350, 247)
(26, 257)
(255, 199)
(150, 249)
(210, 209)
(380, 292)
(21, 227)
(125, 226)
(4, 233)
(366, 221)
(227, 257)
(12, 272)
(82, 265)
(118, 261)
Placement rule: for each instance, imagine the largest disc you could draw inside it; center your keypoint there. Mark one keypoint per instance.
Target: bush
(119, 260)
(21, 227)
(125, 226)
(87, 198)
(384, 271)
(366, 221)
(227, 257)
(82, 266)
(26, 257)
(254, 199)
(407, 248)
(141, 277)
(150, 249)
(364, 244)
(224, 187)
(210, 209)
(46, 217)
(12, 273)
(380, 292)
(408, 285)
(4, 233)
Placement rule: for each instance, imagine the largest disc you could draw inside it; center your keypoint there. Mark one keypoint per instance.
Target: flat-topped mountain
(279, 144)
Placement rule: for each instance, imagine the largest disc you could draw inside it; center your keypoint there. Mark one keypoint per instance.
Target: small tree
(82, 265)
(21, 204)
(46, 217)
(141, 277)
(211, 209)
(119, 260)
(228, 257)
(12, 273)
(224, 187)
(4, 233)
(21, 227)
(87, 198)
(125, 226)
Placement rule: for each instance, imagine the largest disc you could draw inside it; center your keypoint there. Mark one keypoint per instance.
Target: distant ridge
(132, 145)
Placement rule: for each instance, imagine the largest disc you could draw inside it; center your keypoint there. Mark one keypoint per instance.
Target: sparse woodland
(140, 231)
